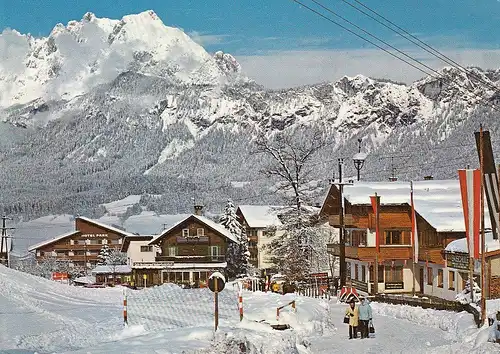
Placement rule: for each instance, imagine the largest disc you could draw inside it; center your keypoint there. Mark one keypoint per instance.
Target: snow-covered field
(38, 315)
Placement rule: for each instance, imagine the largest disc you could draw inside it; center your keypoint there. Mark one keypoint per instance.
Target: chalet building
(81, 246)
(257, 219)
(439, 222)
(138, 249)
(188, 252)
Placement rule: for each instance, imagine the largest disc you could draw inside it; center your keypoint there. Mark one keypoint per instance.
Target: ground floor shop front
(187, 275)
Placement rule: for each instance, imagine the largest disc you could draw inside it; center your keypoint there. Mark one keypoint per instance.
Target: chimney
(428, 178)
(198, 209)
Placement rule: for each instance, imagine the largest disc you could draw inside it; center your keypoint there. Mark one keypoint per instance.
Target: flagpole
(377, 244)
(413, 237)
(483, 275)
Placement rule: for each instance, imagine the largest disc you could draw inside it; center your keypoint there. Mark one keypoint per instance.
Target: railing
(429, 302)
(191, 259)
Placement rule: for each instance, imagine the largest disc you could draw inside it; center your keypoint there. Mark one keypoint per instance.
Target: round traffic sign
(216, 278)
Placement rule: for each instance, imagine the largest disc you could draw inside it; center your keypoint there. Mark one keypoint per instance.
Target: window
(356, 272)
(393, 237)
(380, 274)
(214, 251)
(363, 273)
(440, 278)
(172, 251)
(200, 232)
(146, 248)
(394, 274)
(185, 232)
(356, 238)
(430, 276)
(451, 280)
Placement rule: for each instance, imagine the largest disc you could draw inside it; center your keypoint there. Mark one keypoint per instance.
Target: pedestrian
(365, 316)
(353, 314)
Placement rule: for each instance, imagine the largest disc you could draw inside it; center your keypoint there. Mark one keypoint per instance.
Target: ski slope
(39, 315)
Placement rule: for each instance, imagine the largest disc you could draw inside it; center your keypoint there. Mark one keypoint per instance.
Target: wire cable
(360, 36)
(440, 76)
(415, 40)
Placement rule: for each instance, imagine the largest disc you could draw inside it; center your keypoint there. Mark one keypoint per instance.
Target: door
(421, 280)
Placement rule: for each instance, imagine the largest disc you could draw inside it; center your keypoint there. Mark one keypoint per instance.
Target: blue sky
(256, 28)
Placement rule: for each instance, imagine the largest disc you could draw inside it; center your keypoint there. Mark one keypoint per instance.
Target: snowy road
(43, 316)
(392, 335)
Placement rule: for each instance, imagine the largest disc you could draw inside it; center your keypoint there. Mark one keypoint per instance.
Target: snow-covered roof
(111, 228)
(52, 240)
(261, 216)
(217, 227)
(460, 245)
(106, 269)
(437, 201)
(85, 280)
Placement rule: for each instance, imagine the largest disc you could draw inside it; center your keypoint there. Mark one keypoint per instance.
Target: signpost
(145, 277)
(216, 283)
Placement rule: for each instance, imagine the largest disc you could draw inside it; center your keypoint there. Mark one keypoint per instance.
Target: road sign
(216, 282)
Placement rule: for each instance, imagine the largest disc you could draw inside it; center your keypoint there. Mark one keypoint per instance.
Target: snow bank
(455, 325)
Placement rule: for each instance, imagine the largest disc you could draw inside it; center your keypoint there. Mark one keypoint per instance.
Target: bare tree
(292, 155)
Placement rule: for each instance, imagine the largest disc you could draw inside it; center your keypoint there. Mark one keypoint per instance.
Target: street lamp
(359, 158)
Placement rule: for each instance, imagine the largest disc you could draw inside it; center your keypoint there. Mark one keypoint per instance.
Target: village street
(40, 315)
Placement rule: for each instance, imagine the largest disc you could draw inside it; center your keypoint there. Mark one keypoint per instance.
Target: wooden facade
(396, 249)
(189, 252)
(395, 231)
(82, 245)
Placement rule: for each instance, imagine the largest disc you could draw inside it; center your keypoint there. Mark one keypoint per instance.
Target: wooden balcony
(387, 252)
(68, 247)
(349, 220)
(191, 259)
(432, 254)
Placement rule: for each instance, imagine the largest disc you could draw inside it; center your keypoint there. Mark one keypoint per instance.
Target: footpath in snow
(38, 315)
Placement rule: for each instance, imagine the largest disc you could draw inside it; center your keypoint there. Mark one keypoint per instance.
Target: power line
(415, 40)
(360, 36)
(440, 76)
(375, 37)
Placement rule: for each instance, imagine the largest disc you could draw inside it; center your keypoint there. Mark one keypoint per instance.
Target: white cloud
(207, 39)
(294, 68)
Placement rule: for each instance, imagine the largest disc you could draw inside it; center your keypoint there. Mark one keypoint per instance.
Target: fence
(169, 307)
(429, 303)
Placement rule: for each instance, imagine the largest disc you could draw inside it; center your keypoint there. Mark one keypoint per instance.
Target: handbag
(371, 328)
(346, 319)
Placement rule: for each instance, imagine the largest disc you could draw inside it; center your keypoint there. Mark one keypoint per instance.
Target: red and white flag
(414, 231)
(470, 188)
(375, 200)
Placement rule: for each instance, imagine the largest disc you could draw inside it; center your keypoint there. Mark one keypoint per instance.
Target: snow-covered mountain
(77, 57)
(102, 109)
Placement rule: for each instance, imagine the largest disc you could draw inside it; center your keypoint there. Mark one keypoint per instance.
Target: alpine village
(425, 238)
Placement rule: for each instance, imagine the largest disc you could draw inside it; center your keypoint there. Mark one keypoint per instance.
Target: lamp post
(359, 159)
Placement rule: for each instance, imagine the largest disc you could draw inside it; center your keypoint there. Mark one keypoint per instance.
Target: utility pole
(483, 268)
(4, 246)
(342, 267)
